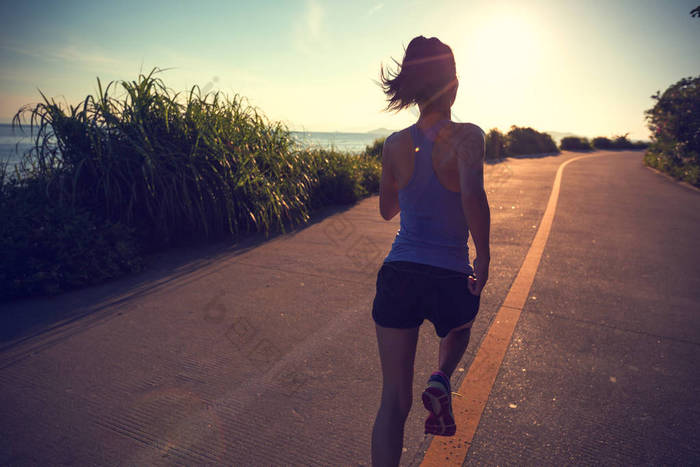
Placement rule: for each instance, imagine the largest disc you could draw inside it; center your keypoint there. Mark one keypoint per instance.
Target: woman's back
(433, 229)
(444, 155)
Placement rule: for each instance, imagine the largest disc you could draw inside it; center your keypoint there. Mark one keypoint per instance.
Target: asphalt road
(264, 353)
(603, 365)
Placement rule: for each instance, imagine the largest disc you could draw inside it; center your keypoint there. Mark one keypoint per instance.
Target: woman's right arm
(470, 163)
(388, 188)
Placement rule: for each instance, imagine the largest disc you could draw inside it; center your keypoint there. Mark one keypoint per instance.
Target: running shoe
(437, 399)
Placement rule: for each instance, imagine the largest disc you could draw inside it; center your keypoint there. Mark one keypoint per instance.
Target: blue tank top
(433, 227)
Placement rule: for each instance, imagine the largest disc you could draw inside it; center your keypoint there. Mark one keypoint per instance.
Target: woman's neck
(427, 120)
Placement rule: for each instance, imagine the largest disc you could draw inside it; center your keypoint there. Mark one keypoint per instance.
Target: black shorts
(408, 293)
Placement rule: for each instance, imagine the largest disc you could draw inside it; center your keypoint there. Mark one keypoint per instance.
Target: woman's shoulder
(459, 132)
(399, 134)
(398, 139)
(465, 127)
(455, 132)
(462, 141)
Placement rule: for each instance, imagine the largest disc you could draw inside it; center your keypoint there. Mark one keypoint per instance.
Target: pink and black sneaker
(437, 399)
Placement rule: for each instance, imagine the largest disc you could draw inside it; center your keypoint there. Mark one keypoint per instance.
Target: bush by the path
(495, 144)
(575, 143)
(48, 246)
(375, 149)
(601, 142)
(150, 169)
(617, 142)
(675, 125)
(525, 140)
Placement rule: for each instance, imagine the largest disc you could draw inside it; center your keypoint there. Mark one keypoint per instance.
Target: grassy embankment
(117, 177)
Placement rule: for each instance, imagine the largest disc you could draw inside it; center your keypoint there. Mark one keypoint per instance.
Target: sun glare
(501, 58)
(506, 44)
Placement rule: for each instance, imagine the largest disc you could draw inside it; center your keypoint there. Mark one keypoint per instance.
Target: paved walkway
(603, 365)
(264, 353)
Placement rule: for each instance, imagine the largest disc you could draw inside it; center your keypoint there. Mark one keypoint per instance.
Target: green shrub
(621, 142)
(371, 173)
(676, 115)
(337, 178)
(685, 168)
(575, 143)
(48, 247)
(618, 142)
(675, 125)
(525, 140)
(601, 142)
(495, 144)
(375, 149)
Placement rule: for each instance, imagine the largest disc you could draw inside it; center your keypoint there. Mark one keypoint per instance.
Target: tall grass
(174, 169)
(166, 168)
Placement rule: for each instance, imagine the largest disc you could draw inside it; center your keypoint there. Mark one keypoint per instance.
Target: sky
(584, 67)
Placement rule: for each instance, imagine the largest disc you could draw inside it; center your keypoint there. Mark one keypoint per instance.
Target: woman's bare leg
(397, 351)
(452, 348)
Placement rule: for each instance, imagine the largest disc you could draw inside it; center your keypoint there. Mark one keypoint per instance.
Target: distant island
(380, 132)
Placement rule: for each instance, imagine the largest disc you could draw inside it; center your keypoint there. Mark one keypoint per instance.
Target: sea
(346, 142)
(15, 142)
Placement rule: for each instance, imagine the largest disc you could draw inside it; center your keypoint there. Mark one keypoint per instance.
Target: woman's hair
(425, 76)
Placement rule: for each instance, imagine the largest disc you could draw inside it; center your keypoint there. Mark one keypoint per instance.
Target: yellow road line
(477, 384)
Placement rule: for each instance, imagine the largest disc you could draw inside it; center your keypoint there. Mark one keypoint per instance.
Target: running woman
(432, 173)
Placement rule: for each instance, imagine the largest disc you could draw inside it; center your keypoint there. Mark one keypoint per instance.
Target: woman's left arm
(388, 187)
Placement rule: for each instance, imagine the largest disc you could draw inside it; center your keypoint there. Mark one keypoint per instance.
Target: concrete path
(264, 353)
